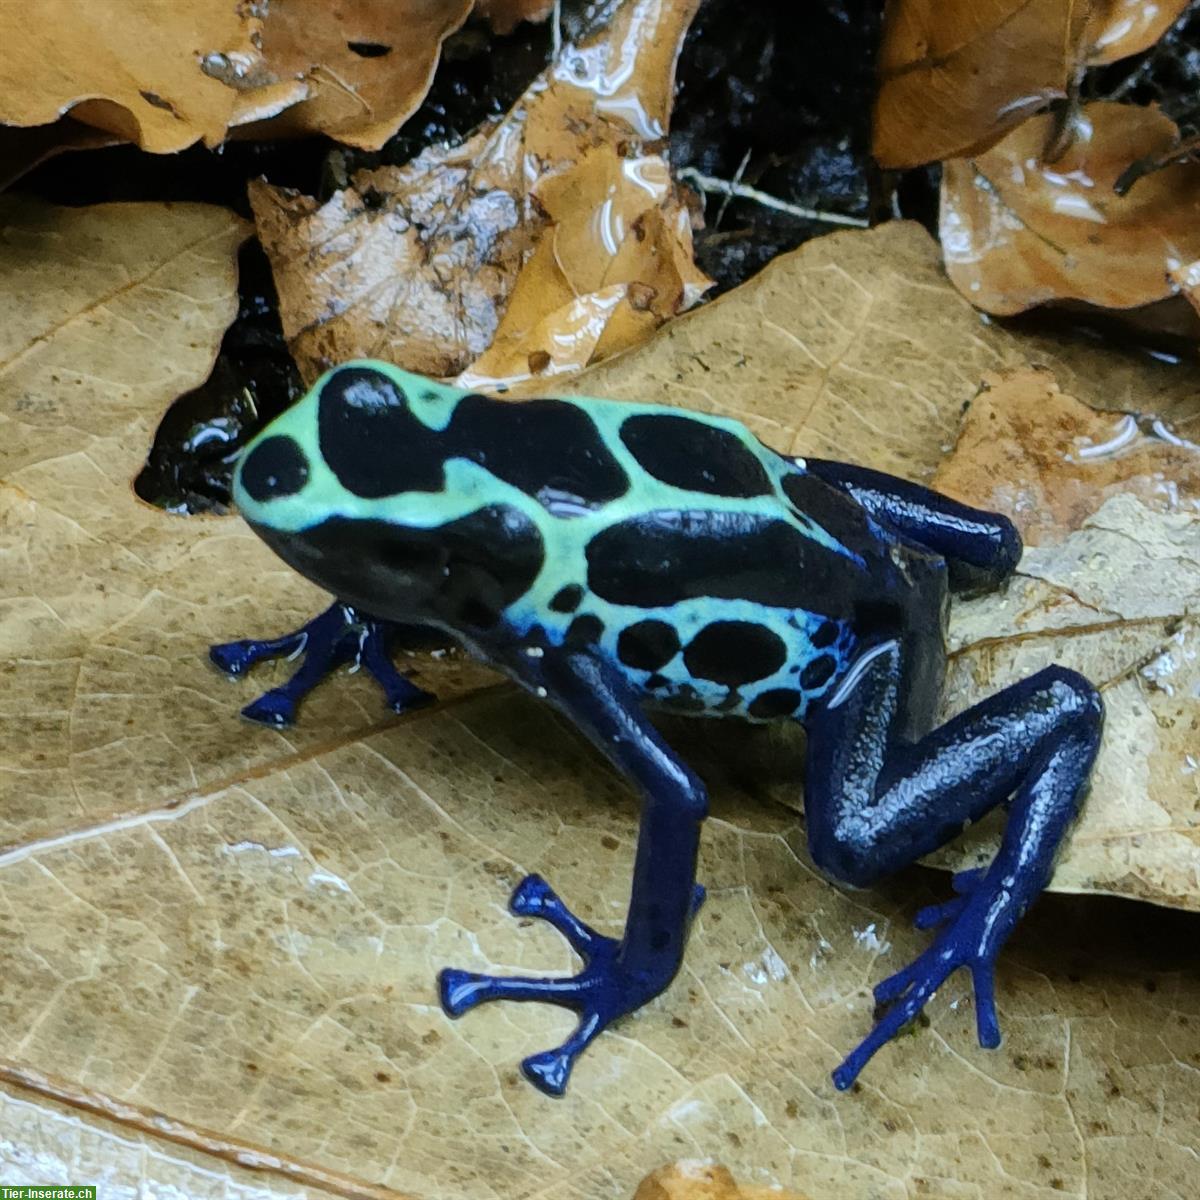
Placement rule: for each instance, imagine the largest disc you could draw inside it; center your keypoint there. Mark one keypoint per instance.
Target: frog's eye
(275, 467)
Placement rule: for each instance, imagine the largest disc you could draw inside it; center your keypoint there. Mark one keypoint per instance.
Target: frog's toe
(965, 943)
(550, 1070)
(913, 987)
(534, 897)
(964, 884)
(600, 993)
(339, 635)
(374, 653)
(604, 990)
(895, 985)
(275, 708)
(983, 976)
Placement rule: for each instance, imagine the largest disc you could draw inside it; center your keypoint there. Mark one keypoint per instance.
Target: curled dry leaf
(164, 75)
(224, 937)
(1017, 232)
(956, 77)
(366, 65)
(553, 236)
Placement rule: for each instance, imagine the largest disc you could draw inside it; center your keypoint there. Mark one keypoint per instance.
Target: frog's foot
(341, 634)
(964, 884)
(603, 991)
(967, 941)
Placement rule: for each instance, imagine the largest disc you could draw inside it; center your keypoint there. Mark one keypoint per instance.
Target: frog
(622, 560)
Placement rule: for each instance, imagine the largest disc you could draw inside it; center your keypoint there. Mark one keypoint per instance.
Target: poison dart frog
(618, 558)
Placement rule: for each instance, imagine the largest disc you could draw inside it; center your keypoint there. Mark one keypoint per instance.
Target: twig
(737, 179)
(556, 32)
(707, 184)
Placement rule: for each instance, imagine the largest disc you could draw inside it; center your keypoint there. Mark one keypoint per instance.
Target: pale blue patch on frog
(538, 626)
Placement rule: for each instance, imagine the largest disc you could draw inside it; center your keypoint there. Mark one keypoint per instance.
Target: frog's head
(365, 432)
(351, 487)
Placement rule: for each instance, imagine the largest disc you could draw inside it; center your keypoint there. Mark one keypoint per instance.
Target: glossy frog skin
(614, 558)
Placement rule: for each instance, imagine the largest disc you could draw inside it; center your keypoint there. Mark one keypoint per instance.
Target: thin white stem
(724, 187)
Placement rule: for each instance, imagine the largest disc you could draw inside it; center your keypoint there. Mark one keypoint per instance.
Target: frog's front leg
(341, 634)
(875, 804)
(981, 548)
(618, 977)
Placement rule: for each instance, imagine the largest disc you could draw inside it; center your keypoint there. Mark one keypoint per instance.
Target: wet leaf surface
(550, 238)
(166, 75)
(223, 938)
(955, 77)
(1017, 231)
(365, 65)
(1110, 584)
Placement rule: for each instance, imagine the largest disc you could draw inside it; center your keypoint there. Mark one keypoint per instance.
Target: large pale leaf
(224, 937)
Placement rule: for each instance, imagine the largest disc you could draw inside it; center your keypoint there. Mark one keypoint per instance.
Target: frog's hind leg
(981, 548)
(618, 976)
(341, 634)
(876, 803)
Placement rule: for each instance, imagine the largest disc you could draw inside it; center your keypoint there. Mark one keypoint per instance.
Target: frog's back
(719, 576)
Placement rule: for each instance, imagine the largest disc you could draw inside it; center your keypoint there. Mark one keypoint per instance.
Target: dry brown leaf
(225, 936)
(1186, 277)
(1049, 462)
(134, 70)
(366, 65)
(1017, 232)
(409, 265)
(956, 77)
(553, 236)
(699, 1180)
(164, 75)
